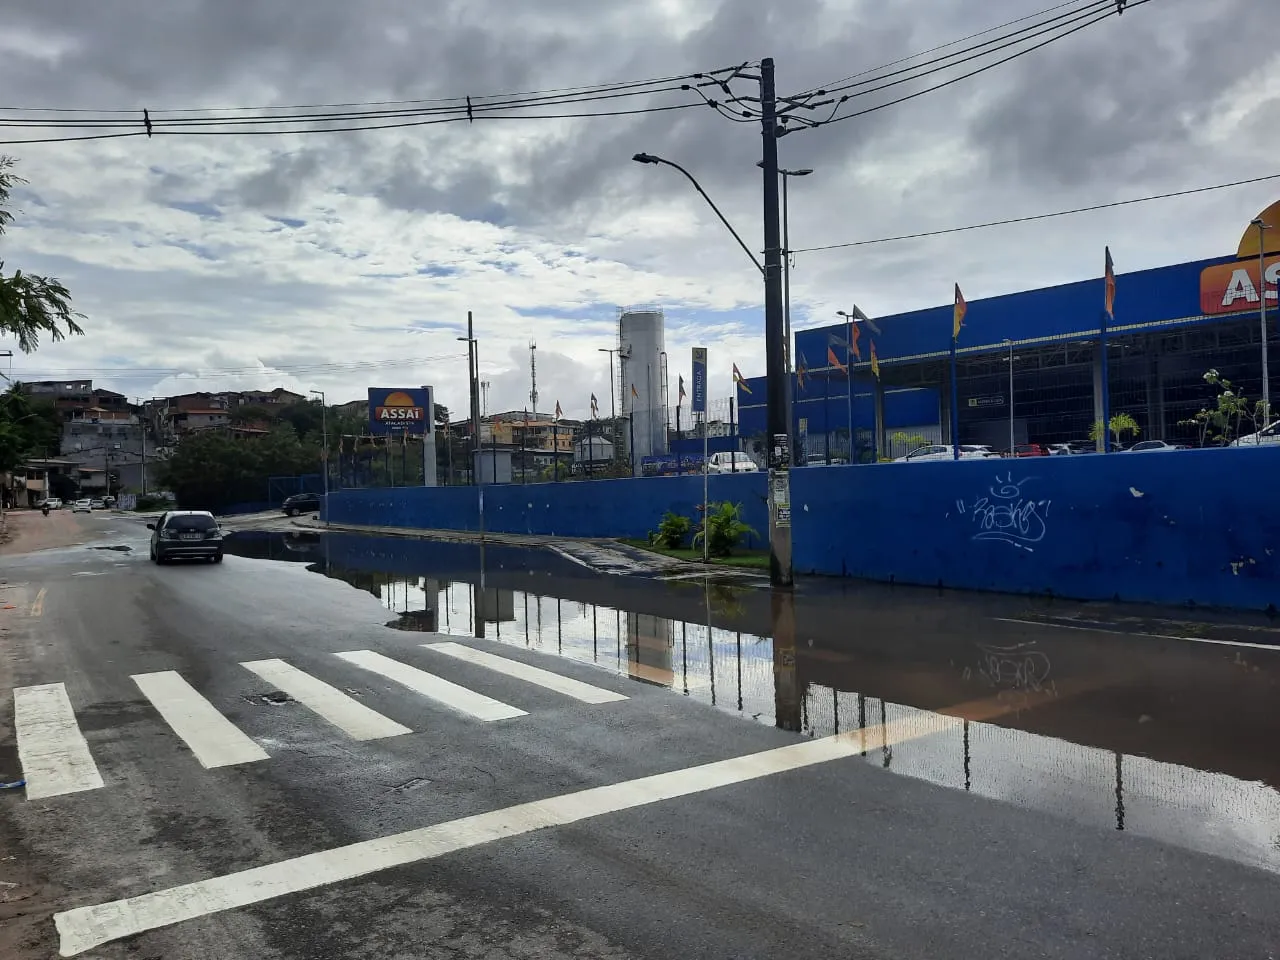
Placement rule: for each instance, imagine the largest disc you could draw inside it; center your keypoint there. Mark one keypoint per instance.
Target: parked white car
(1153, 446)
(82, 506)
(938, 451)
(731, 463)
(1263, 437)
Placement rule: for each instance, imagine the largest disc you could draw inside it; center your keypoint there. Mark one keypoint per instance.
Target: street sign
(699, 380)
(994, 400)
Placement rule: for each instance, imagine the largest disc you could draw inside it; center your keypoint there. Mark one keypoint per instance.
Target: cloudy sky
(342, 260)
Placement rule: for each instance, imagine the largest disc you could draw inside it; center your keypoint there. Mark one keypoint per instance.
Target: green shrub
(724, 521)
(672, 531)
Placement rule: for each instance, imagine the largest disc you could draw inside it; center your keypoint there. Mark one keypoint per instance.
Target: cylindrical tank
(641, 345)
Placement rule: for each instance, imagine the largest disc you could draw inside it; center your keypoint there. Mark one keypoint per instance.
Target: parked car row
(83, 505)
(978, 451)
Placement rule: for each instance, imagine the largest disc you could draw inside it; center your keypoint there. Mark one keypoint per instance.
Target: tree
(1121, 423)
(31, 305)
(1231, 411)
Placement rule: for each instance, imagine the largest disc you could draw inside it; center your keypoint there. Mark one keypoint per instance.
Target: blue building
(1029, 365)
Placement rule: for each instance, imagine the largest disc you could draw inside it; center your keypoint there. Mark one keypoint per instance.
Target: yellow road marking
(37, 605)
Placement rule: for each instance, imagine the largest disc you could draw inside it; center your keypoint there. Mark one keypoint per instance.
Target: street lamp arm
(650, 158)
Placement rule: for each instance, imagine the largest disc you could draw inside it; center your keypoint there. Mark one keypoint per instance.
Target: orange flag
(835, 361)
(961, 309)
(875, 361)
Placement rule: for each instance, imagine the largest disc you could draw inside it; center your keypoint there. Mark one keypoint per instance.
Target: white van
(1262, 438)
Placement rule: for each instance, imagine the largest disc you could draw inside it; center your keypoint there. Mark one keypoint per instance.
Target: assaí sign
(1235, 287)
(396, 411)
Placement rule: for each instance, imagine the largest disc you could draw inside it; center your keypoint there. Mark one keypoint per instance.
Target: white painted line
(84, 928)
(214, 739)
(346, 713)
(1134, 633)
(54, 755)
(522, 671)
(437, 688)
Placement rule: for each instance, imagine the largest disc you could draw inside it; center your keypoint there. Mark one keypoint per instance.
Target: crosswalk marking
(214, 739)
(523, 671)
(54, 754)
(346, 713)
(437, 688)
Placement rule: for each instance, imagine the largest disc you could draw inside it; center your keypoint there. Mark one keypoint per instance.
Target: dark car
(1030, 450)
(186, 535)
(301, 503)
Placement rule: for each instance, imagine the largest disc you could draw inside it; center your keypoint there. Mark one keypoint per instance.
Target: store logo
(1239, 286)
(399, 408)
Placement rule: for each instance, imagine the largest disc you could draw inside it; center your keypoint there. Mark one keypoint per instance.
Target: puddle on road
(1161, 737)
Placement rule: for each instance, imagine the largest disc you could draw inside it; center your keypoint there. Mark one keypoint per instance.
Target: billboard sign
(699, 380)
(1234, 287)
(400, 410)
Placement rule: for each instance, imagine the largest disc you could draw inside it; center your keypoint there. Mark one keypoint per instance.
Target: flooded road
(1121, 718)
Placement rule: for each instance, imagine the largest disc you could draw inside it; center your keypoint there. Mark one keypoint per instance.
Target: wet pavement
(1160, 723)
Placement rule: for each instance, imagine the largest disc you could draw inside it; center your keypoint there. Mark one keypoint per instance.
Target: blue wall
(1197, 526)
(596, 508)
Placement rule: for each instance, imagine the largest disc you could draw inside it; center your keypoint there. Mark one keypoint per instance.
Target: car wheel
(217, 558)
(292, 512)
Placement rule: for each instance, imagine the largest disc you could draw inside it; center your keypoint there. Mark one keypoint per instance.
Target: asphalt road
(514, 819)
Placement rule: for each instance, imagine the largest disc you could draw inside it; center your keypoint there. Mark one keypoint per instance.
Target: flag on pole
(633, 392)
(1110, 295)
(961, 309)
(875, 361)
(682, 395)
(739, 380)
(559, 414)
(854, 335)
(595, 407)
(835, 361)
(802, 370)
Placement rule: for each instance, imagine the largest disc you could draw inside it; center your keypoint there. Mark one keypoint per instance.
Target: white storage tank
(642, 383)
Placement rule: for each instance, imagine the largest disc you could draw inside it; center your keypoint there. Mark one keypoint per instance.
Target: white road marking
(1134, 633)
(214, 739)
(522, 671)
(54, 755)
(346, 713)
(84, 928)
(437, 688)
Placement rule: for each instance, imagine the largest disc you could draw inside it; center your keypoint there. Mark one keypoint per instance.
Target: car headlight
(166, 534)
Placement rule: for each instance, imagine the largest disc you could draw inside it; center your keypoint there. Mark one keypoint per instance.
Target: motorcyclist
(45, 508)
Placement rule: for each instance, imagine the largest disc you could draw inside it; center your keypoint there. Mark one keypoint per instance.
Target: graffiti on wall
(1007, 514)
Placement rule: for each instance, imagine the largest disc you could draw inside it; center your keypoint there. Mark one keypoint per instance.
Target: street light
(324, 442)
(1262, 313)
(1013, 448)
(650, 158)
(473, 376)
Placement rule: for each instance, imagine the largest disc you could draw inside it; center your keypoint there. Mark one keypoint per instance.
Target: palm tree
(31, 305)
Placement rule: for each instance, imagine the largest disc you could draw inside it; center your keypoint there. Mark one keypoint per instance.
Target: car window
(191, 522)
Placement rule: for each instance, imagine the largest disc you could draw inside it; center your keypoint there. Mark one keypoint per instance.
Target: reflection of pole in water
(967, 781)
(711, 647)
(684, 655)
(738, 645)
(595, 636)
(835, 710)
(559, 629)
(862, 722)
(526, 618)
(619, 629)
(884, 738)
(539, 609)
(787, 694)
(1119, 791)
(649, 649)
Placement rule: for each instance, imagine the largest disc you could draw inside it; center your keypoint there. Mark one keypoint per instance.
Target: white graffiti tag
(1007, 515)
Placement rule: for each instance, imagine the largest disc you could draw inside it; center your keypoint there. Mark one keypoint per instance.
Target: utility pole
(779, 413)
(533, 378)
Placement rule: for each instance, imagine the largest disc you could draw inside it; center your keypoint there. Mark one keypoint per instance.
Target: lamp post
(1262, 314)
(324, 446)
(777, 376)
(613, 412)
(473, 377)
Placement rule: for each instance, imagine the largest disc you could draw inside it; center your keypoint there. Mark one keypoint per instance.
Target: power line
(1039, 216)
(941, 46)
(813, 124)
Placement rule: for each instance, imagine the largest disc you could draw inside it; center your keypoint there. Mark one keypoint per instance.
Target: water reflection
(1173, 741)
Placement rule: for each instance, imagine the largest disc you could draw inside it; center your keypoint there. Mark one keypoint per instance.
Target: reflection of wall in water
(649, 648)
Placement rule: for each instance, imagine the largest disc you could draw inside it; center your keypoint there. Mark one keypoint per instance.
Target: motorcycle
(45, 509)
